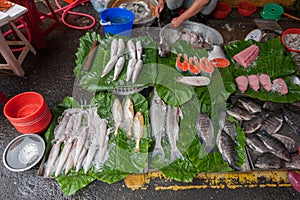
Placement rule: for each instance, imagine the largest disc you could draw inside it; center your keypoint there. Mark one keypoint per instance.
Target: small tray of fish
(272, 133)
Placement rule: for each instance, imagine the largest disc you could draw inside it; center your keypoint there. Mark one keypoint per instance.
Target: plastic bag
(99, 5)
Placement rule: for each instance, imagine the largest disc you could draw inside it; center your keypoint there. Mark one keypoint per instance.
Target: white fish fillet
(118, 67)
(110, 65)
(139, 49)
(194, 80)
(137, 69)
(130, 69)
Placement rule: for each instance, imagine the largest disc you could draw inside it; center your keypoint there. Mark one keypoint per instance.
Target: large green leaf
(272, 60)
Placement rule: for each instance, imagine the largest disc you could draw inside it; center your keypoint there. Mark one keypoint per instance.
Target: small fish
(110, 65)
(290, 144)
(272, 106)
(255, 143)
(295, 161)
(103, 150)
(117, 113)
(80, 143)
(230, 128)
(114, 47)
(90, 155)
(292, 119)
(139, 49)
(194, 80)
(70, 160)
(250, 105)
(274, 145)
(157, 112)
(205, 131)
(138, 129)
(239, 113)
(268, 161)
(121, 47)
(272, 123)
(172, 129)
(137, 69)
(131, 49)
(226, 147)
(81, 157)
(130, 69)
(63, 156)
(252, 125)
(128, 112)
(118, 67)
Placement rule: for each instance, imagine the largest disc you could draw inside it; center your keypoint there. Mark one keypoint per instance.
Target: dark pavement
(50, 72)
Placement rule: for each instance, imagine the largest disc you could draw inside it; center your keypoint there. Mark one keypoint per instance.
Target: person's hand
(160, 6)
(176, 22)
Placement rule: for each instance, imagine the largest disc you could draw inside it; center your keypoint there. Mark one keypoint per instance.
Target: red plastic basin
(222, 10)
(246, 8)
(290, 31)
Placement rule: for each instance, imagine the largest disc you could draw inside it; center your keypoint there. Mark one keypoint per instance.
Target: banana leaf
(272, 60)
(91, 80)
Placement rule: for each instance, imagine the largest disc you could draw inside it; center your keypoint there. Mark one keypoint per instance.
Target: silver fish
(172, 129)
(121, 47)
(117, 113)
(128, 111)
(81, 157)
(110, 65)
(293, 120)
(255, 143)
(80, 143)
(290, 144)
(131, 49)
(137, 69)
(103, 150)
(272, 123)
(250, 105)
(157, 111)
(70, 159)
(274, 145)
(138, 129)
(118, 67)
(139, 49)
(268, 161)
(295, 161)
(239, 113)
(194, 80)
(59, 130)
(130, 69)
(114, 47)
(252, 125)
(226, 147)
(205, 131)
(63, 156)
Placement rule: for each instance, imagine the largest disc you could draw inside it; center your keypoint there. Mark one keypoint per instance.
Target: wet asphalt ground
(50, 73)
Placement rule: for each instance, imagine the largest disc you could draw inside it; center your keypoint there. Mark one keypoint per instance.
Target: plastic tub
(246, 8)
(28, 112)
(291, 31)
(222, 10)
(117, 21)
(272, 11)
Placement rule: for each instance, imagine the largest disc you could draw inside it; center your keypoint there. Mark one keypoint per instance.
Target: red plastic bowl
(221, 11)
(246, 8)
(28, 112)
(290, 31)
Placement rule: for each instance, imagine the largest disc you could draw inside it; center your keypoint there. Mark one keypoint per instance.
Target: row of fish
(129, 121)
(117, 59)
(256, 81)
(84, 136)
(164, 120)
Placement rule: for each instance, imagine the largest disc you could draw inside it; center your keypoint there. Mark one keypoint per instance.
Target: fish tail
(235, 167)
(158, 151)
(175, 153)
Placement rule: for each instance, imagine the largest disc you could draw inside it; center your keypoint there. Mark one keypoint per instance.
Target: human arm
(160, 6)
(196, 7)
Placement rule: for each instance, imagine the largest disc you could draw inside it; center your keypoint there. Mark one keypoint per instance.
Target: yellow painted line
(213, 180)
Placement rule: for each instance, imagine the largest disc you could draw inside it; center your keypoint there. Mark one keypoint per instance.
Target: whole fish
(157, 111)
(295, 161)
(290, 144)
(118, 67)
(139, 49)
(172, 129)
(250, 105)
(121, 47)
(292, 119)
(230, 129)
(272, 106)
(138, 129)
(205, 131)
(272, 123)
(117, 113)
(252, 125)
(268, 161)
(114, 47)
(226, 147)
(77, 121)
(63, 156)
(137, 69)
(90, 155)
(255, 143)
(130, 69)
(239, 113)
(131, 49)
(194, 80)
(103, 150)
(274, 145)
(81, 158)
(128, 111)
(80, 143)
(70, 160)
(110, 65)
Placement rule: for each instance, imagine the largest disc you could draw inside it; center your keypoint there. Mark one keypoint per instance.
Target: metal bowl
(139, 8)
(211, 35)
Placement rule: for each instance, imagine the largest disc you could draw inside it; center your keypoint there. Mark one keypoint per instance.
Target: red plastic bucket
(28, 113)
